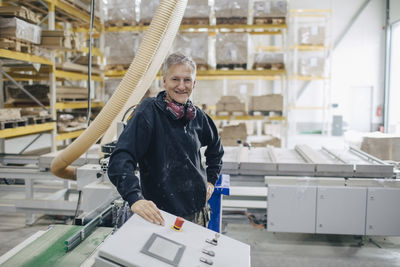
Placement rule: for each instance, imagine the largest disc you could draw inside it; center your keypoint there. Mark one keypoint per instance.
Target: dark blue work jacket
(168, 154)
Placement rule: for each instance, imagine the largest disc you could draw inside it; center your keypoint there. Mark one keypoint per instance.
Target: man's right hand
(148, 210)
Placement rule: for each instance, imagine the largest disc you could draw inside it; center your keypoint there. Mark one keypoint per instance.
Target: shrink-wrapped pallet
(194, 45)
(312, 66)
(231, 48)
(270, 61)
(147, 10)
(121, 47)
(20, 30)
(311, 35)
(269, 12)
(196, 12)
(120, 13)
(231, 12)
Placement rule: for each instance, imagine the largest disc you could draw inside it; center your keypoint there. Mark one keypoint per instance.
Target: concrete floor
(267, 249)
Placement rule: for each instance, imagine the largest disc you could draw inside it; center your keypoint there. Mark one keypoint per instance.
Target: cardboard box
(272, 102)
(234, 132)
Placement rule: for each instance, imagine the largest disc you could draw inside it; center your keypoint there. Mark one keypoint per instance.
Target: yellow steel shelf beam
(23, 57)
(308, 78)
(64, 105)
(247, 117)
(25, 130)
(65, 136)
(75, 12)
(309, 47)
(95, 51)
(252, 28)
(76, 76)
(221, 74)
(76, 105)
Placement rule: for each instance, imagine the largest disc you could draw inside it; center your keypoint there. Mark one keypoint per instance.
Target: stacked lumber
(70, 123)
(19, 30)
(64, 93)
(231, 105)
(382, 146)
(273, 102)
(232, 133)
(19, 12)
(69, 66)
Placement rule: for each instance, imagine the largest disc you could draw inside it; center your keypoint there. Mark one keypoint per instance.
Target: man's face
(179, 83)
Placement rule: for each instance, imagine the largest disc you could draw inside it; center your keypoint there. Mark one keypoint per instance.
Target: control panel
(177, 243)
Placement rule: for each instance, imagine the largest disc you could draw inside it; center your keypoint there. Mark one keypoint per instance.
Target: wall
(394, 11)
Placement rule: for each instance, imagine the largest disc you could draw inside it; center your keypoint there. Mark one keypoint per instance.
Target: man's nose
(181, 84)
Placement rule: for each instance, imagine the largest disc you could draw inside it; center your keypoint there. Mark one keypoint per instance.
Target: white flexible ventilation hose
(148, 60)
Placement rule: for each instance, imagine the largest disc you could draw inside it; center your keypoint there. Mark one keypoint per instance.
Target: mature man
(164, 137)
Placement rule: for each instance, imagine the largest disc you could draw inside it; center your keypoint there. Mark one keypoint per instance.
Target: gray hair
(179, 58)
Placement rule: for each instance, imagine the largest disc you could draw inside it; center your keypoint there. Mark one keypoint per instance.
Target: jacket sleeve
(214, 150)
(132, 144)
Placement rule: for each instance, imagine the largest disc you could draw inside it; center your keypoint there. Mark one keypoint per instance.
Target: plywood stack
(273, 102)
(230, 105)
(232, 133)
(384, 147)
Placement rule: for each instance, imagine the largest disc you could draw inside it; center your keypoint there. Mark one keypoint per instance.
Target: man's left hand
(210, 190)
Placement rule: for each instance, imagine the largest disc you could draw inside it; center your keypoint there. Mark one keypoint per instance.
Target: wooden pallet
(232, 20)
(268, 66)
(233, 66)
(195, 21)
(15, 45)
(6, 124)
(119, 23)
(231, 113)
(144, 22)
(201, 66)
(117, 67)
(38, 119)
(265, 113)
(269, 20)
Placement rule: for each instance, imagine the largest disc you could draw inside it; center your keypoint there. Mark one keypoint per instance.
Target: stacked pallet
(70, 123)
(230, 105)
(269, 61)
(17, 117)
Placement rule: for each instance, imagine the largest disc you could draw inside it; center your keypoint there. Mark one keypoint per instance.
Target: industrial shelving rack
(56, 12)
(317, 51)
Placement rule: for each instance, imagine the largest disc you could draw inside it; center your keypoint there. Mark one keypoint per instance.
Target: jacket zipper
(184, 128)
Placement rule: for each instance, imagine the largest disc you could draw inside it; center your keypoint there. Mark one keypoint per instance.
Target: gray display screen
(163, 249)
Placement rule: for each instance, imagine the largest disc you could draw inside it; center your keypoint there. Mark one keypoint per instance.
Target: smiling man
(163, 138)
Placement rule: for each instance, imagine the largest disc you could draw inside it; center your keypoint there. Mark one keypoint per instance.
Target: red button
(178, 223)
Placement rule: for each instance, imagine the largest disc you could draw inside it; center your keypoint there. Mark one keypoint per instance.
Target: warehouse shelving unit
(56, 12)
(310, 70)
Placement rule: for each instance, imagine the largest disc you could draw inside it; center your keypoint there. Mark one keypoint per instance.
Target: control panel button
(208, 261)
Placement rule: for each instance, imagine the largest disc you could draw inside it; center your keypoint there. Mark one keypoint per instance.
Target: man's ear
(194, 84)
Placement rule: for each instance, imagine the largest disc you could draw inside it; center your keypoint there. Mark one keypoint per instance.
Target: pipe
(152, 51)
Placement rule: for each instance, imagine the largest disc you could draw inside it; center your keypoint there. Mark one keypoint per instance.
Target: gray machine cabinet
(291, 208)
(341, 210)
(383, 213)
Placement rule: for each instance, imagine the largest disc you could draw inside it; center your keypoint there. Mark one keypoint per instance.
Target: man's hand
(210, 190)
(148, 210)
